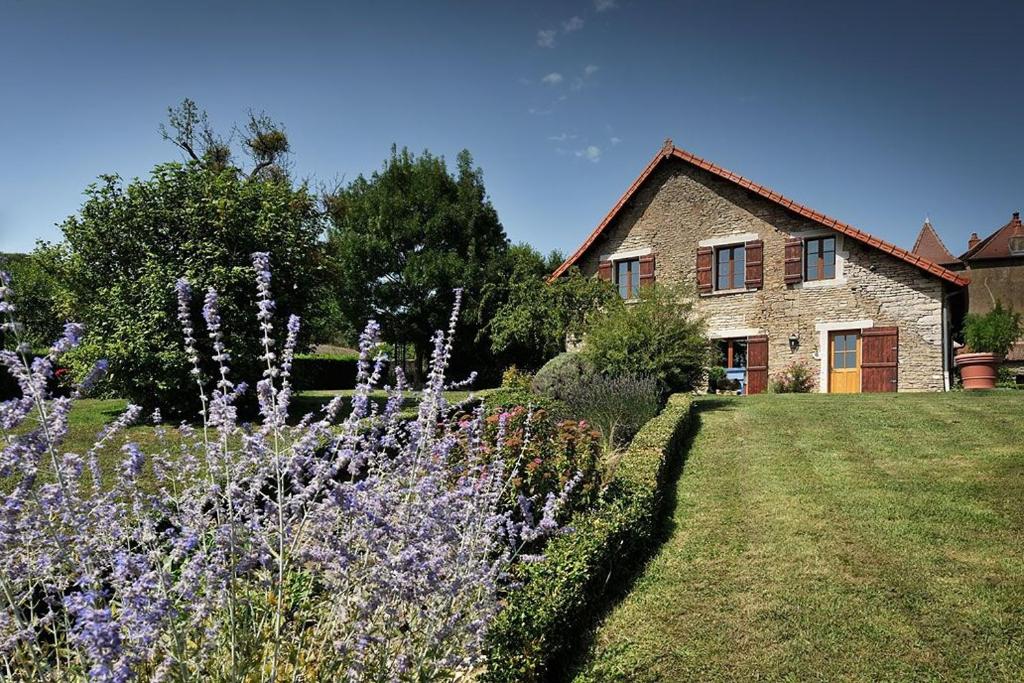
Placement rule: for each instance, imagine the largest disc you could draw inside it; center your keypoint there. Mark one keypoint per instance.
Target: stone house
(995, 266)
(778, 282)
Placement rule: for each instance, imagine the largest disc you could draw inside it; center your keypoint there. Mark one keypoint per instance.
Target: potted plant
(987, 338)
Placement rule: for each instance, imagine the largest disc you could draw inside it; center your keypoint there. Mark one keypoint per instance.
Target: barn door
(879, 366)
(757, 364)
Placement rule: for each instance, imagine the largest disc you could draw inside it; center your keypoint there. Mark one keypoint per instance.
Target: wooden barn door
(757, 364)
(880, 365)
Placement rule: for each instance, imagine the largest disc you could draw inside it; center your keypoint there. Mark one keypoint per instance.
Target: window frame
(733, 272)
(820, 261)
(632, 284)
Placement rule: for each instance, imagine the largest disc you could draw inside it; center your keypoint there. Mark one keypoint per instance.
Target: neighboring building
(995, 266)
(778, 282)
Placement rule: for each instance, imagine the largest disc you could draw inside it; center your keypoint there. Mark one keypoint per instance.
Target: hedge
(323, 371)
(556, 599)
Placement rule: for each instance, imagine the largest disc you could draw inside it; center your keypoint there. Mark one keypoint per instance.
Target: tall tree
(408, 235)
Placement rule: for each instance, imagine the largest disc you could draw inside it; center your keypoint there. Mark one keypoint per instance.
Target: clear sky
(877, 113)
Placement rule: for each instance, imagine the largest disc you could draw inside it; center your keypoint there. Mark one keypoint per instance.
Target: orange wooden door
(844, 363)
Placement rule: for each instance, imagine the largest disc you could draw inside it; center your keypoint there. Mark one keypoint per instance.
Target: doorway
(844, 363)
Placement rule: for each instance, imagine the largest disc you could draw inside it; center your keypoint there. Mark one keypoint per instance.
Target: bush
(325, 371)
(716, 377)
(797, 378)
(561, 371)
(514, 378)
(992, 332)
(658, 336)
(558, 599)
(616, 406)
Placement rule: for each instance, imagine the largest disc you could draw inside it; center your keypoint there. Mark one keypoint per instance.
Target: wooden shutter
(879, 365)
(704, 256)
(794, 260)
(754, 254)
(647, 270)
(757, 364)
(604, 270)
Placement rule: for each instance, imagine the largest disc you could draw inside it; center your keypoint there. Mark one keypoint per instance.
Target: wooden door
(880, 367)
(844, 350)
(757, 364)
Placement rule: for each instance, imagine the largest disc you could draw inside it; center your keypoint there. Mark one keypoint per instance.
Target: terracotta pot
(978, 370)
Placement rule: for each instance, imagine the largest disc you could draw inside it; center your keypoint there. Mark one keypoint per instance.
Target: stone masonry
(681, 205)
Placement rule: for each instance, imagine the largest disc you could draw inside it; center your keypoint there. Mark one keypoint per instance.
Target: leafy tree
(658, 336)
(408, 235)
(533, 323)
(38, 294)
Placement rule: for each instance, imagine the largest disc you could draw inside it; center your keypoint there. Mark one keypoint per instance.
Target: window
(627, 278)
(734, 353)
(844, 353)
(730, 271)
(821, 259)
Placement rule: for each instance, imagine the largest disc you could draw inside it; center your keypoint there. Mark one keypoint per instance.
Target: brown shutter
(704, 256)
(647, 270)
(879, 365)
(604, 270)
(757, 364)
(794, 260)
(754, 255)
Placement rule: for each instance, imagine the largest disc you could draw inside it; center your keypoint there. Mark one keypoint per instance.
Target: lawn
(835, 538)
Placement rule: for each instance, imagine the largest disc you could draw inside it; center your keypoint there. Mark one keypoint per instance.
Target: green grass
(835, 538)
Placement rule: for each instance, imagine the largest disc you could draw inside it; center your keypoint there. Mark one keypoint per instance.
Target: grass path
(835, 538)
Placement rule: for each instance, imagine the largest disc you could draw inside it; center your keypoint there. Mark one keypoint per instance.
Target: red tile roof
(996, 245)
(930, 246)
(670, 151)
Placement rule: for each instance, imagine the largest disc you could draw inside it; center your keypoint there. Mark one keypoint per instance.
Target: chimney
(973, 240)
(1016, 217)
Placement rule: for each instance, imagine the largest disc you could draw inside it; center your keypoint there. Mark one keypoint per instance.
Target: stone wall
(681, 205)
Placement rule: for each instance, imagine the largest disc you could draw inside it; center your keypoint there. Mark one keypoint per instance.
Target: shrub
(616, 406)
(561, 371)
(558, 599)
(992, 332)
(716, 377)
(514, 378)
(658, 336)
(797, 378)
(311, 552)
(325, 371)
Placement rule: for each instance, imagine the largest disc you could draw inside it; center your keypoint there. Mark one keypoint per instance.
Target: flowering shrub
(796, 378)
(617, 406)
(514, 378)
(309, 552)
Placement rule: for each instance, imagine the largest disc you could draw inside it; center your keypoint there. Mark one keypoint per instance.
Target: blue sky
(875, 113)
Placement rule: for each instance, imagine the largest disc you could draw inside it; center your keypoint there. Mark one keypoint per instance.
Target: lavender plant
(327, 549)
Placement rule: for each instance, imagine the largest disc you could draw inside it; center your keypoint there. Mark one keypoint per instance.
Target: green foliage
(559, 597)
(1007, 378)
(129, 243)
(531, 326)
(324, 371)
(514, 378)
(796, 378)
(992, 332)
(560, 372)
(659, 335)
(38, 294)
(408, 235)
(505, 399)
(716, 377)
(617, 406)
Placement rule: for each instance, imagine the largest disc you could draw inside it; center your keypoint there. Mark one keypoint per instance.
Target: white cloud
(605, 5)
(590, 70)
(572, 24)
(614, 140)
(561, 137)
(553, 78)
(537, 111)
(546, 37)
(591, 153)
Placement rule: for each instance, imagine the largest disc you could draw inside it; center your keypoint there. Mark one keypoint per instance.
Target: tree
(536, 318)
(405, 238)
(658, 336)
(39, 298)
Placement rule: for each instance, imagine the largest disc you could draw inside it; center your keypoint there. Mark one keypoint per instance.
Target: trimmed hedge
(560, 596)
(323, 371)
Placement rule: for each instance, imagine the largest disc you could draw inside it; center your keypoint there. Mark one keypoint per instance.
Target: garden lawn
(869, 537)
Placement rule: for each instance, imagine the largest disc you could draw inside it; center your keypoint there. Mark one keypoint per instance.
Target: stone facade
(681, 207)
